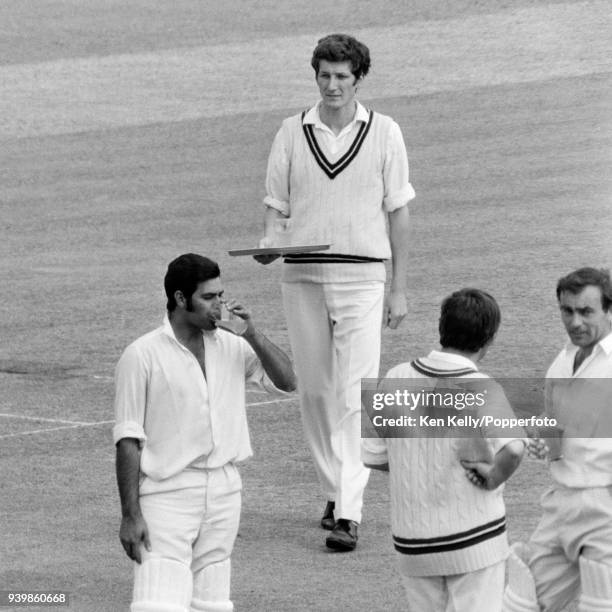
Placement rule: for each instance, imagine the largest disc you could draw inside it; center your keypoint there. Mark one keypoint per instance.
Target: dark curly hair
(342, 48)
(185, 273)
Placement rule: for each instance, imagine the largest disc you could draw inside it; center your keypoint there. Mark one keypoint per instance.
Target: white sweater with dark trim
(340, 199)
(441, 523)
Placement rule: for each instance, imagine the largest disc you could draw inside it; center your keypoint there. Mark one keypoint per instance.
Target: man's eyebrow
(578, 309)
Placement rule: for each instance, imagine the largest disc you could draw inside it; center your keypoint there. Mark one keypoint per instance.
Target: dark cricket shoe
(327, 520)
(343, 537)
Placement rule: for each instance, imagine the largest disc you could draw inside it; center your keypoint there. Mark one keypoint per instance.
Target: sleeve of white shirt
(396, 176)
(130, 396)
(277, 176)
(374, 451)
(548, 404)
(256, 375)
(498, 407)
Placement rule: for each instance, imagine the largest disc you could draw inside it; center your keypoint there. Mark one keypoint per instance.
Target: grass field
(133, 132)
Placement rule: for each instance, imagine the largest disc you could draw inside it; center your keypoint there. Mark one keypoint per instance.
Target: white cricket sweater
(441, 523)
(340, 200)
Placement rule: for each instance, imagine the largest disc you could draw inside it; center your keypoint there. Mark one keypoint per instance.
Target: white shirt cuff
(499, 443)
(399, 199)
(370, 457)
(129, 429)
(282, 207)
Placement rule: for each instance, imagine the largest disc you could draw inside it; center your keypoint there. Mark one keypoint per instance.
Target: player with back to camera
(336, 175)
(449, 531)
(571, 548)
(180, 430)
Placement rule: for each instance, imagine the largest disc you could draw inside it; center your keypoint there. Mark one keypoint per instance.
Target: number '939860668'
(21, 597)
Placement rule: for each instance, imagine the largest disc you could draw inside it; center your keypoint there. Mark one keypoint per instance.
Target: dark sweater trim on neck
(334, 169)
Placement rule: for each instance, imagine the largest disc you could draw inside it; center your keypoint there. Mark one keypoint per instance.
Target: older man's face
(585, 320)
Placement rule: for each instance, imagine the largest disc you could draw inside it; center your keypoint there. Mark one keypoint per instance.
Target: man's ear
(483, 351)
(180, 298)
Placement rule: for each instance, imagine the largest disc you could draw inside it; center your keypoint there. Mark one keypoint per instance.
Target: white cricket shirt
(181, 418)
(586, 462)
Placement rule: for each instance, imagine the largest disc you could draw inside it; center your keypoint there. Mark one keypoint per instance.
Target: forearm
(275, 362)
(271, 215)
(399, 222)
(506, 462)
(128, 476)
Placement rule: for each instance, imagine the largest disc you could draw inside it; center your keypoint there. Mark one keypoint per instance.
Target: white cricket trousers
(193, 517)
(575, 523)
(334, 330)
(479, 591)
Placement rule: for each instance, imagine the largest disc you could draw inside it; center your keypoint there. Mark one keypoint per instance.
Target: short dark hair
(469, 319)
(577, 280)
(342, 48)
(185, 273)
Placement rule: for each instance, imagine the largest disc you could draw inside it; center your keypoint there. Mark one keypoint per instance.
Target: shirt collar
(452, 359)
(312, 115)
(605, 344)
(169, 331)
(167, 328)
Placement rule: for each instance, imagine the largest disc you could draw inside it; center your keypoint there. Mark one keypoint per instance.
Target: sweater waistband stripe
(455, 545)
(453, 541)
(426, 370)
(328, 258)
(453, 536)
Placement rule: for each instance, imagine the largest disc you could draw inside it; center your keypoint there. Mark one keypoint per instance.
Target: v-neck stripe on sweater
(332, 169)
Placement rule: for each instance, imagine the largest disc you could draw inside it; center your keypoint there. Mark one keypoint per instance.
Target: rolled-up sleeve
(130, 396)
(374, 451)
(277, 175)
(396, 175)
(498, 407)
